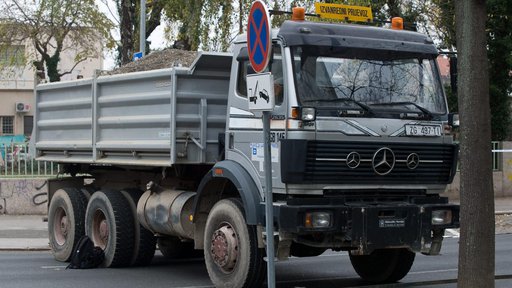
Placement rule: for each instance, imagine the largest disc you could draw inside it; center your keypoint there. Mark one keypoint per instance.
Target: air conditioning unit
(22, 107)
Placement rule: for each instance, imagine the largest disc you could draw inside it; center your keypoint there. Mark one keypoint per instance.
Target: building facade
(17, 84)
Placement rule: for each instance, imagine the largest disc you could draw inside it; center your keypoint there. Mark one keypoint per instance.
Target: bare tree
(476, 248)
(52, 27)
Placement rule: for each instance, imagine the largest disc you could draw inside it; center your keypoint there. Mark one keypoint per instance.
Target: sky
(108, 7)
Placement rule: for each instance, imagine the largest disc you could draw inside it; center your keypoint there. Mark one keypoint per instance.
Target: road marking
(197, 287)
(52, 267)
(433, 271)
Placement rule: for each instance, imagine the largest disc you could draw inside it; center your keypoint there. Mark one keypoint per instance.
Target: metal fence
(16, 162)
(496, 156)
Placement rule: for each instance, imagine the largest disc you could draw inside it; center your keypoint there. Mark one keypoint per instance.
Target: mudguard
(243, 182)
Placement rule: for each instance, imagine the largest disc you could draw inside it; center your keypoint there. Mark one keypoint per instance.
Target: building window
(28, 124)
(6, 125)
(13, 55)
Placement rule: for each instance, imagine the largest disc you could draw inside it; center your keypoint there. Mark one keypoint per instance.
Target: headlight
(441, 217)
(317, 220)
(308, 114)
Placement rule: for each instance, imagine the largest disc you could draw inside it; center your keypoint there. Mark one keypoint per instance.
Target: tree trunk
(476, 248)
(126, 28)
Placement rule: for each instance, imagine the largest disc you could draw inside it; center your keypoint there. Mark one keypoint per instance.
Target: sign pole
(269, 207)
(260, 90)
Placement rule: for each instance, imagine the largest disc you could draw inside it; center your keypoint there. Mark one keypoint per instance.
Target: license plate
(423, 130)
(391, 223)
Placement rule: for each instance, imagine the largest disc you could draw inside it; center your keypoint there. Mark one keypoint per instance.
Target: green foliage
(499, 42)
(52, 27)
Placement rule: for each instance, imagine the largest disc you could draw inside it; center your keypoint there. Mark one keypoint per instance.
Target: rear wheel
(231, 251)
(383, 266)
(109, 223)
(144, 241)
(66, 216)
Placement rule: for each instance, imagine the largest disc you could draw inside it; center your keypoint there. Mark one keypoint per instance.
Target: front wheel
(383, 266)
(231, 251)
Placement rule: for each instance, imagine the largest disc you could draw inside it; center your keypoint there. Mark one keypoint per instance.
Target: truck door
(244, 135)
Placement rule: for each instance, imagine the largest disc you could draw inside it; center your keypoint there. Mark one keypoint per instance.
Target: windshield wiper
(422, 109)
(363, 106)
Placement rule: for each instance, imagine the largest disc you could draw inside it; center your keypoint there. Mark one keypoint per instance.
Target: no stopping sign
(259, 41)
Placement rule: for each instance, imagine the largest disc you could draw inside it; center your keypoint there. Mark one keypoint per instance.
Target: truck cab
(361, 144)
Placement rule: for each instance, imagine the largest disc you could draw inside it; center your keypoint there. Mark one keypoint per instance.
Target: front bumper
(366, 227)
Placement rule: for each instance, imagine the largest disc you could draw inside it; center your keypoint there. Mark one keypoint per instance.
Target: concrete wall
(23, 196)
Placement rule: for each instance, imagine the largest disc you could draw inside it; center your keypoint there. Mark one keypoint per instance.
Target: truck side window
(276, 69)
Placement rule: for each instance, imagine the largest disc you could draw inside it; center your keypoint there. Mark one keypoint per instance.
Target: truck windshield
(383, 81)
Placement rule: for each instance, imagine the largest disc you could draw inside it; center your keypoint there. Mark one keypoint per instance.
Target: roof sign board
(344, 12)
(259, 40)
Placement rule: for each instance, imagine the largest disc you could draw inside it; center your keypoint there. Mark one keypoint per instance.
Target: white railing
(16, 162)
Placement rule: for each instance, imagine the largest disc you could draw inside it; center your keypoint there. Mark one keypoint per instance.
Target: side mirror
(453, 119)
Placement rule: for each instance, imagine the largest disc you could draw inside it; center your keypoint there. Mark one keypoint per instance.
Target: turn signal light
(218, 172)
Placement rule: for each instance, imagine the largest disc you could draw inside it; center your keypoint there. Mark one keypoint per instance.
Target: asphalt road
(38, 269)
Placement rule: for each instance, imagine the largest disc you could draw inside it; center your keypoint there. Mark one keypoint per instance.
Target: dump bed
(152, 118)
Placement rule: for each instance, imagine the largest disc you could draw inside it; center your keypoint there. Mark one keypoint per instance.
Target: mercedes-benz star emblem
(413, 160)
(353, 160)
(383, 161)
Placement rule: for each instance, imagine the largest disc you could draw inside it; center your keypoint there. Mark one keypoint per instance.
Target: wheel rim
(61, 226)
(100, 229)
(224, 248)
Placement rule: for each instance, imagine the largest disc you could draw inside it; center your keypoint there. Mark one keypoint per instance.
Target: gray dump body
(153, 118)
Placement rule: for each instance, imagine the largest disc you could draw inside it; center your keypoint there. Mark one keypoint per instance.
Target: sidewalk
(23, 232)
(29, 232)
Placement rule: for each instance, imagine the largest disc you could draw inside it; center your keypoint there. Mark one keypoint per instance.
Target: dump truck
(361, 151)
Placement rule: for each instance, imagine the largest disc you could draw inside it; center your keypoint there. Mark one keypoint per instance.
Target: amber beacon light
(298, 13)
(397, 23)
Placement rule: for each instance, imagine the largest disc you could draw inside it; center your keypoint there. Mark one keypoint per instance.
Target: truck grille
(327, 162)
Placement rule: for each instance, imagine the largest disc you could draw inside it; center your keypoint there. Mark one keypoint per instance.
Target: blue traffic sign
(258, 36)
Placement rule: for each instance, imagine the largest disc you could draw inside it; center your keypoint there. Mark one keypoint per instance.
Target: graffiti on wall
(23, 196)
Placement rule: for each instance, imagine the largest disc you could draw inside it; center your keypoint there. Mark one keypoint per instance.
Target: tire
(88, 191)
(109, 223)
(66, 222)
(301, 250)
(144, 240)
(383, 266)
(173, 248)
(226, 226)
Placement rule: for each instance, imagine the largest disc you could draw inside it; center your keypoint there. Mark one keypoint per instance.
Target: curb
(503, 212)
(27, 249)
